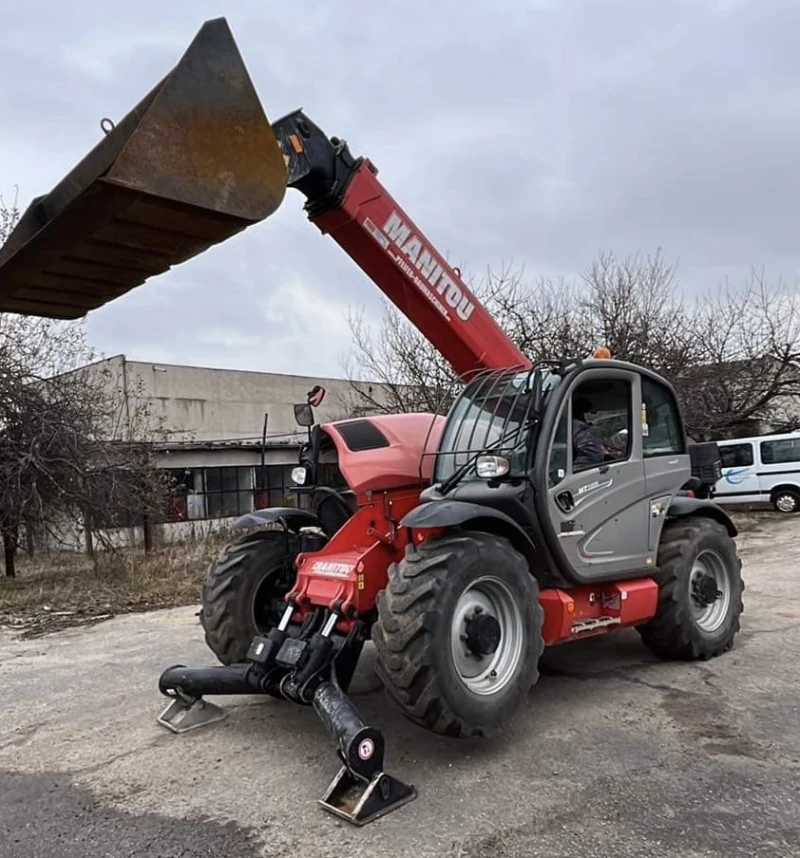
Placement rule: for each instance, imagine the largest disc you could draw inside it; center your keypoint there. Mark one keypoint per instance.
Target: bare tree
(634, 308)
(732, 355)
(547, 320)
(747, 373)
(71, 446)
(411, 375)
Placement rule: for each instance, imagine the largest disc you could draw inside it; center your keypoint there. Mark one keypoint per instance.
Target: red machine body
(348, 572)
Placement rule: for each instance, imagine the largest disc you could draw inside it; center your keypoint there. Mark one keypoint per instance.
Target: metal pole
(263, 455)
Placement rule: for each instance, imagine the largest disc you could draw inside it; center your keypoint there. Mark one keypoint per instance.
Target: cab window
(601, 423)
(662, 429)
(596, 428)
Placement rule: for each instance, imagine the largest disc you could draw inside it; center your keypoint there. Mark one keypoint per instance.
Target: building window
(273, 486)
(228, 491)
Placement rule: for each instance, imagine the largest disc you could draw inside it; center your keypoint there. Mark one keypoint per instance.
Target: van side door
(740, 482)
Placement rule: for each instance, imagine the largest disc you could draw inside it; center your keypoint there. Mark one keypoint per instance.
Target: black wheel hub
(482, 634)
(705, 590)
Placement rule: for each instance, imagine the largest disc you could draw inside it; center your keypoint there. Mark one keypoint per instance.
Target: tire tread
(671, 633)
(220, 615)
(407, 616)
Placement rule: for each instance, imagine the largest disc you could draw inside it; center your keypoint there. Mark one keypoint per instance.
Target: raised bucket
(194, 163)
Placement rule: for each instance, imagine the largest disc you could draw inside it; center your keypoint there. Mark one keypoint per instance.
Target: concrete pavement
(616, 753)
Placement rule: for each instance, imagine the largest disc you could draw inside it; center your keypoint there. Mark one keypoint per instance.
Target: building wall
(72, 538)
(203, 404)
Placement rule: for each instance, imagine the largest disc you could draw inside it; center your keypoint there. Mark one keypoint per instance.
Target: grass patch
(55, 591)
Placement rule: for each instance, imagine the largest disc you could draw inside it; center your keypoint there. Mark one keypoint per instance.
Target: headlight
(489, 467)
(299, 475)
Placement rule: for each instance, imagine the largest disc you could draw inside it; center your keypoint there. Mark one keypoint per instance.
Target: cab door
(597, 504)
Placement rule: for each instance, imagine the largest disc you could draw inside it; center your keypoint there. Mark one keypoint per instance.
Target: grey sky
(528, 131)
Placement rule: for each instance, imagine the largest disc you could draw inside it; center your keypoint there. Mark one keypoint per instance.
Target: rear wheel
(700, 591)
(243, 594)
(786, 501)
(458, 635)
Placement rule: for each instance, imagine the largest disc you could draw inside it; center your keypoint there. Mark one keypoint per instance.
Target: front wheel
(458, 636)
(244, 590)
(700, 591)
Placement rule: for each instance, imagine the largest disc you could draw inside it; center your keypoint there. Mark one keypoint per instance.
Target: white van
(764, 469)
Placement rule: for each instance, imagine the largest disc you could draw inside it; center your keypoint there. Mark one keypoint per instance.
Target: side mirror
(316, 395)
(304, 414)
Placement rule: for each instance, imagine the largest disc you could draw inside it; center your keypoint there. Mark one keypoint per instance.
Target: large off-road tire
(696, 560)
(435, 657)
(243, 593)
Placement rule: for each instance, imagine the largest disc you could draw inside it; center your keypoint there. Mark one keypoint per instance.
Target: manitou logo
(415, 256)
(331, 569)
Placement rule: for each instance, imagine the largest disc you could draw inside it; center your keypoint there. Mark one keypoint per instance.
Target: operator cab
(584, 457)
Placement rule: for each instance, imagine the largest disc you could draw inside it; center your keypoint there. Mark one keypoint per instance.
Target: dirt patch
(58, 591)
(752, 519)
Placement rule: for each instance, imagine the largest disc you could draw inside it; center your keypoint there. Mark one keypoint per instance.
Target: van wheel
(786, 500)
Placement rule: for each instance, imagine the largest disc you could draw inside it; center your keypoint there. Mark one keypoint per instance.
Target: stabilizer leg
(186, 687)
(183, 715)
(361, 791)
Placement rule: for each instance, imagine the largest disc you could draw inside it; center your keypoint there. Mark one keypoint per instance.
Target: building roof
(292, 439)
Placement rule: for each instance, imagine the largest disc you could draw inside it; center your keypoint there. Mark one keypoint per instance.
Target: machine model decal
(584, 491)
(422, 264)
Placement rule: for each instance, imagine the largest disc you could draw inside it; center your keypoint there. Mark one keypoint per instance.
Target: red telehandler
(462, 544)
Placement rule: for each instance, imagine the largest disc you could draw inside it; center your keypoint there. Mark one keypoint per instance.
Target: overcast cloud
(521, 131)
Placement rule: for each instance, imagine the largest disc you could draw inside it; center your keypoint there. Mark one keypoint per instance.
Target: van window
(780, 452)
(736, 455)
(664, 431)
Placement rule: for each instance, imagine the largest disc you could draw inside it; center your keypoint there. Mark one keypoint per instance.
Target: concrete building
(220, 461)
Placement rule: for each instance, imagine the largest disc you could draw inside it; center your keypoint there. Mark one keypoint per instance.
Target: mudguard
(682, 507)
(291, 519)
(451, 513)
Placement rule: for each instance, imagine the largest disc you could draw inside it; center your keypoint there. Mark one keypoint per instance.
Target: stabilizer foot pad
(360, 801)
(181, 717)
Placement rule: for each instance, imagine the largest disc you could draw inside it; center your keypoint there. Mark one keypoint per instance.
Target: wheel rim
(266, 608)
(487, 636)
(710, 588)
(786, 503)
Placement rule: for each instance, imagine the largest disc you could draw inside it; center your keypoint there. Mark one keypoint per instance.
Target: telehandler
(461, 544)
